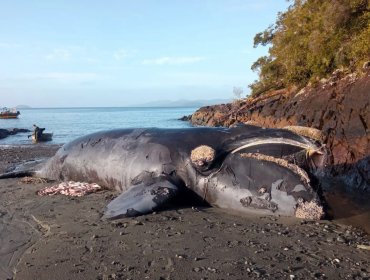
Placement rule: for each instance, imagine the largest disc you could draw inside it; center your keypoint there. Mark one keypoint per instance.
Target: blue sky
(119, 53)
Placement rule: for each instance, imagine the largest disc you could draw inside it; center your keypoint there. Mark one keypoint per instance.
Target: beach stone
(197, 269)
(341, 239)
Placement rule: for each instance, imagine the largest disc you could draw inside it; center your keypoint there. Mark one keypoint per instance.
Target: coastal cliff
(338, 106)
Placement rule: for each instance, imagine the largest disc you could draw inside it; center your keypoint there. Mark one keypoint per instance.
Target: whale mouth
(282, 162)
(310, 156)
(253, 142)
(258, 183)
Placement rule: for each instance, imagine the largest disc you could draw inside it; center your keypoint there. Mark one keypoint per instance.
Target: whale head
(257, 183)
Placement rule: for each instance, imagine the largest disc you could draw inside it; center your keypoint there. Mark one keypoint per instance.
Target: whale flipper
(141, 199)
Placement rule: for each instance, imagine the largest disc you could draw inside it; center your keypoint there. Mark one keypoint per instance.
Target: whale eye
(202, 156)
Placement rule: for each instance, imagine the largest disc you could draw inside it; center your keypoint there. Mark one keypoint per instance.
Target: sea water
(67, 124)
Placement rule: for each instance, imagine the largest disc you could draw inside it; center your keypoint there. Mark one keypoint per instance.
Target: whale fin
(141, 199)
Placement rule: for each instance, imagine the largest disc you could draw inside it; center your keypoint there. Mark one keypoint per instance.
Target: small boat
(44, 137)
(9, 113)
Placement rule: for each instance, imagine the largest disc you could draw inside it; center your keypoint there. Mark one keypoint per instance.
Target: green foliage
(312, 39)
(264, 38)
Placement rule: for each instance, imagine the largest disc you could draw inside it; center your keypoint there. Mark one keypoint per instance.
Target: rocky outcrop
(6, 132)
(339, 107)
(185, 118)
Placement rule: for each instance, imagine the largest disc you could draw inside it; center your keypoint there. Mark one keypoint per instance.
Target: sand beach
(60, 237)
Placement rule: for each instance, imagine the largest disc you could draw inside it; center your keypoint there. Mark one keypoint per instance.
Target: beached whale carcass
(245, 168)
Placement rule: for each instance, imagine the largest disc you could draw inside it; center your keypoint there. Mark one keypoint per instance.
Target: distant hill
(182, 103)
(22, 107)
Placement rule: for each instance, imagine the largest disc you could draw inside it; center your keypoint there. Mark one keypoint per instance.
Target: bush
(312, 39)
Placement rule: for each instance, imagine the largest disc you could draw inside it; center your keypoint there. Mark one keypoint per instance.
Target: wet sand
(60, 237)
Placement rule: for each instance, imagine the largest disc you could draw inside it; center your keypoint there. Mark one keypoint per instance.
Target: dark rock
(12, 131)
(18, 130)
(185, 118)
(3, 133)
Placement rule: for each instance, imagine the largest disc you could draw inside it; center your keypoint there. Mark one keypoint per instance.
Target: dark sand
(60, 237)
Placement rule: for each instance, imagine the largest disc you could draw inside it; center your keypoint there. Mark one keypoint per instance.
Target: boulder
(12, 131)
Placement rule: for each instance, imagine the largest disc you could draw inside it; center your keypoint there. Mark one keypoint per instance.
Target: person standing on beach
(38, 132)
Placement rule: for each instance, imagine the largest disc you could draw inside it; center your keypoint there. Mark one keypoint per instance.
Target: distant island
(164, 103)
(182, 103)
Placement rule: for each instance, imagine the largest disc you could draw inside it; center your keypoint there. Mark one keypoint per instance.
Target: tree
(312, 39)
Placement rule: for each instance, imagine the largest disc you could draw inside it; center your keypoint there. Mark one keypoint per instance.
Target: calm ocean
(69, 123)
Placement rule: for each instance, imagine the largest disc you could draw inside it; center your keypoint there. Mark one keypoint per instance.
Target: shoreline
(66, 237)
